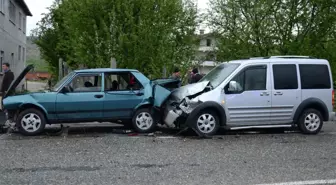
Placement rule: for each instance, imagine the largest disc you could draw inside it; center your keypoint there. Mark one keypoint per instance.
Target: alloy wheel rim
(206, 123)
(144, 121)
(312, 122)
(31, 122)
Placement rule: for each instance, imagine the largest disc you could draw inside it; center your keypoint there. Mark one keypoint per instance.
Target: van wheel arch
(312, 103)
(209, 105)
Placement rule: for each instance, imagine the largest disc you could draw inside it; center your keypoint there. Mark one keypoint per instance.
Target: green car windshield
(220, 73)
(59, 83)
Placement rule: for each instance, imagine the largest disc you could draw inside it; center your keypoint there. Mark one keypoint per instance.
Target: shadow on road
(100, 130)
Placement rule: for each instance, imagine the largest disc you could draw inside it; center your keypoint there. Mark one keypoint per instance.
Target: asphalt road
(105, 156)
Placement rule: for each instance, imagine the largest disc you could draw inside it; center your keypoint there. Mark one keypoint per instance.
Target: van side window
(314, 76)
(285, 76)
(251, 79)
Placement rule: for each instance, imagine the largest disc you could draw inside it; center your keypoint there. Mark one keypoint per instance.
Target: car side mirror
(65, 89)
(233, 86)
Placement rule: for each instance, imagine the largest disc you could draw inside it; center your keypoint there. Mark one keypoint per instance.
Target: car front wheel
(143, 121)
(31, 122)
(311, 121)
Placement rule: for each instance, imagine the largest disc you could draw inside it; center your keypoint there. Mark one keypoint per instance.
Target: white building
(13, 20)
(205, 55)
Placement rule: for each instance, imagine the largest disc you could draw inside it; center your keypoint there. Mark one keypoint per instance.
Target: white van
(277, 91)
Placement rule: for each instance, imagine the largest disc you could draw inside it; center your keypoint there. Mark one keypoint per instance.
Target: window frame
(106, 74)
(2, 7)
(329, 76)
(12, 12)
(258, 66)
(2, 58)
(286, 64)
(24, 22)
(210, 42)
(84, 74)
(20, 20)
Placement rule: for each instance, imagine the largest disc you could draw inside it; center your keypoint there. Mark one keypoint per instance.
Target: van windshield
(220, 73)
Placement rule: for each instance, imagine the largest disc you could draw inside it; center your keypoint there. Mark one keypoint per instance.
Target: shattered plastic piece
(133, 134)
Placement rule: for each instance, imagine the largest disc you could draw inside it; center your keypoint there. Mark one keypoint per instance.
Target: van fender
(312, 103)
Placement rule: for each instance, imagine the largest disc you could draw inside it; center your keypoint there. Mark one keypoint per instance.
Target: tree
(274, 27)
(145, 35)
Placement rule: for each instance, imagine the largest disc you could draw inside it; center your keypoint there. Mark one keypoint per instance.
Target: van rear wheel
(311, 121)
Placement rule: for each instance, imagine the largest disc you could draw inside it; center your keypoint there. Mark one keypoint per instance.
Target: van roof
(286, 58)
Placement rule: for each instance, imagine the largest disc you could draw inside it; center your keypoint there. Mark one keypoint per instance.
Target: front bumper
(332, 116)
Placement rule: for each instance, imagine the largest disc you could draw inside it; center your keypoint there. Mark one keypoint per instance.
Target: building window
(12, 58)
(2, 57)
(2, 6)
(19, 53)
(23, 54)
(24, 24)
(12, 12)
(208, 42)
(20, 20)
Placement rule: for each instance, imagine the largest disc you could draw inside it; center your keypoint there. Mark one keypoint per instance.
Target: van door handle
(278, 94)
(264, 94)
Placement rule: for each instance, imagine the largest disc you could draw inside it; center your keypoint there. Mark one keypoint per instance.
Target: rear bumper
(332, 116)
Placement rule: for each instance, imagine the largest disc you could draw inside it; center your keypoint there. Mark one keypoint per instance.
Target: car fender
(309, 102)
(33, 104)
(207, 105)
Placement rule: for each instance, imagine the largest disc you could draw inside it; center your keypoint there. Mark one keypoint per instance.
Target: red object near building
(37, 76)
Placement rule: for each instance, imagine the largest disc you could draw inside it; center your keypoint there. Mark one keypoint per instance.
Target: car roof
(298, 59)
(104, 70)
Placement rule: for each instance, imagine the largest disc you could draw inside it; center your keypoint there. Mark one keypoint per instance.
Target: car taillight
(333, 98)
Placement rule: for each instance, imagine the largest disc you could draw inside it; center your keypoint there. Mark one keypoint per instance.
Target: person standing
(7, 79)
(176, 75)
(195, 77)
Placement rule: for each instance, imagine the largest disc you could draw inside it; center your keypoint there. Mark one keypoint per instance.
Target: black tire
(208, 116)
(37, 116)
(312, 116)
(141, 117)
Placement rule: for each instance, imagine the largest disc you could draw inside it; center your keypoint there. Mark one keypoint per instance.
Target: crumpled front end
(182, 102)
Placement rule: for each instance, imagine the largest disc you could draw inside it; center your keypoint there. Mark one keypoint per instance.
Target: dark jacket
(195, 78)
(7, 80)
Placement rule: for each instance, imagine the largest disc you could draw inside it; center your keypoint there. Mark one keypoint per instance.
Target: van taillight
(333, 98)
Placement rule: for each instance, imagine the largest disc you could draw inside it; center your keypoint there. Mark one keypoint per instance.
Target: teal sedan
(89, 95)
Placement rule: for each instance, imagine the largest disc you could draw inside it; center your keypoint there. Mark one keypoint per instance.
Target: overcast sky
(38, 7)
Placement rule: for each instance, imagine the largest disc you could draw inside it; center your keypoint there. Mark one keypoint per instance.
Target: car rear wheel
(31, 122)
(206, 123)
(143, 121)
(311, 121)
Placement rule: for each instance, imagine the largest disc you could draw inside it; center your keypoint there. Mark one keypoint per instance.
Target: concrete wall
(13, 38)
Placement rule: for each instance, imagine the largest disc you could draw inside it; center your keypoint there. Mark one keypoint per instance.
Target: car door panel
(83, 105)
(251, 107)
(286, 95)
(120, 104)
(123, 93)
(83, 101)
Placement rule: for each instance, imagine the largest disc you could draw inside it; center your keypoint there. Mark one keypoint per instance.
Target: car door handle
(139, 93)
(99, 96)
(278, 94)
(264, 94)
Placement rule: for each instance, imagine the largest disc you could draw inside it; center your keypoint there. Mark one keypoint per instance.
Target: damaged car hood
(189, 90)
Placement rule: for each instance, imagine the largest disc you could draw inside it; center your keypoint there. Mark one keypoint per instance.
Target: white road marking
(314, 182)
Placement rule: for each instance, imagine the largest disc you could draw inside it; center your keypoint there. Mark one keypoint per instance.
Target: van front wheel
(206, 122)
(311, 121)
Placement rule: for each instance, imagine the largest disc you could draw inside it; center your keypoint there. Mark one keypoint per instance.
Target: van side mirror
(233, 86)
